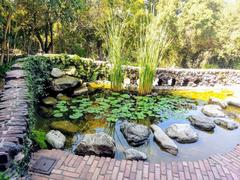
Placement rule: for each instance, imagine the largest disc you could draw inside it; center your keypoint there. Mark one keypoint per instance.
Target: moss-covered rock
(49, 101)
(39, 137)
(65, 127)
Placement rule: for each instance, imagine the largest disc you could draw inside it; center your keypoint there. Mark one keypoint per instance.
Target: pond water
(219, 141)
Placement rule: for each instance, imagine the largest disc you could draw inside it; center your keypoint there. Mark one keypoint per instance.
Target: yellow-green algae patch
(202, 95)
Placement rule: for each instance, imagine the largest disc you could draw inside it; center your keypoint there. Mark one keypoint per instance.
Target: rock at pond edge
(132, 154)
(56, 139)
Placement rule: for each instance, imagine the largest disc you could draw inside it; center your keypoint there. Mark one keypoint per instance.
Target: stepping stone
(221, 103)
(202, 122)
(132, 154)
(183, 133)
(165, 142)
(213, 110)
(226, 123)
(233, 101)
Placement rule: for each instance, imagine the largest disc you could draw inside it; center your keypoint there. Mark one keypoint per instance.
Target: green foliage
(115, 47)
(153, 44)
(114, 106)
(3, 176)
(39, 137)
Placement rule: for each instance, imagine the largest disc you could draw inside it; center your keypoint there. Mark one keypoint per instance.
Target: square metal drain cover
(44, 165)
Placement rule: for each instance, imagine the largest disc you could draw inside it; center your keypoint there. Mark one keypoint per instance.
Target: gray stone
(183, 133)
(71, 71)
(56, 139)
(226, 123)
(234, 101)
(64, 83)
(135, 134)
(57, 73)
(80, 91)
(49, 101)
(221, 103)
(213, 110)
(132, 154)
(99, 144)
(161, 138)
(202, 122)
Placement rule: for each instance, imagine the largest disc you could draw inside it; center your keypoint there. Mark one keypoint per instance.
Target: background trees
(205, 33)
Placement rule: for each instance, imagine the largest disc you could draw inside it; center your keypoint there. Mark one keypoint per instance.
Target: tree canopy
(204, 33)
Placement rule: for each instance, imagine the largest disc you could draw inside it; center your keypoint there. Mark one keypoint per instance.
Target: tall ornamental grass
(115, 54)
(153, 43)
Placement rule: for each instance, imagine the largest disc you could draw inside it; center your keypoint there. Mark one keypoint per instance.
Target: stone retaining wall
(13, 116)
(186, 77)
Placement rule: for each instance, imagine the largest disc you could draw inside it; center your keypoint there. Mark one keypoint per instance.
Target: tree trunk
(4, 43)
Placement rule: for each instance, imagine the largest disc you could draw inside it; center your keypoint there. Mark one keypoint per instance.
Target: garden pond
(105, 112)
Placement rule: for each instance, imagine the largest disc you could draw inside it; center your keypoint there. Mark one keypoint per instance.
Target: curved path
(72, 167)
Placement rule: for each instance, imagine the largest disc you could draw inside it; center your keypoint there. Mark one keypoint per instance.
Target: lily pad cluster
(115, 106)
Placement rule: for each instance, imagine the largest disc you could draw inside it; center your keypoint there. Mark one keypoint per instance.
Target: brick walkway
(70, 167)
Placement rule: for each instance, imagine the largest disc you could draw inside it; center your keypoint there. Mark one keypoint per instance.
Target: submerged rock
(226, 123)
(63, 97)
(99, 144)
(65, 82)
(56, 139)
(64, 127)
(166, 143)
(80, 91)
(213, 110)
(202, 122)
(135, 134)
(49, 101)
(132, 154)
(221, 103)
(234, 101)
(57, 73)
(183, 133)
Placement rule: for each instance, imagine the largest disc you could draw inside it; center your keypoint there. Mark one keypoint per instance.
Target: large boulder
(213, 110)
(165, 142)
(234, 101)
(49, 101)
(57, 73)
(183, 133)
(132, 154)
(65, 82)
(99, 144)
(56, 139)
(65, 127)
(221, 103)
(135, 134)
(226, 123)
(202, 122)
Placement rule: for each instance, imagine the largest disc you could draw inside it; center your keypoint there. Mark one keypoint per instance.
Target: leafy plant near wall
(40, 138)
(153, 43)
(115, 55)
(115, 106)
(3, 176)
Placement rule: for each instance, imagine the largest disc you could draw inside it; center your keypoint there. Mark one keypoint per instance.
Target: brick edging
(219, 166)
(13, 115)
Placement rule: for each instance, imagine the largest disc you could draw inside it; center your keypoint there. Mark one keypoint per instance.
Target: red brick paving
(71, 167)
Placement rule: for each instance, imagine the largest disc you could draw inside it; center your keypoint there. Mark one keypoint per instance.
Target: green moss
(39, 137)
